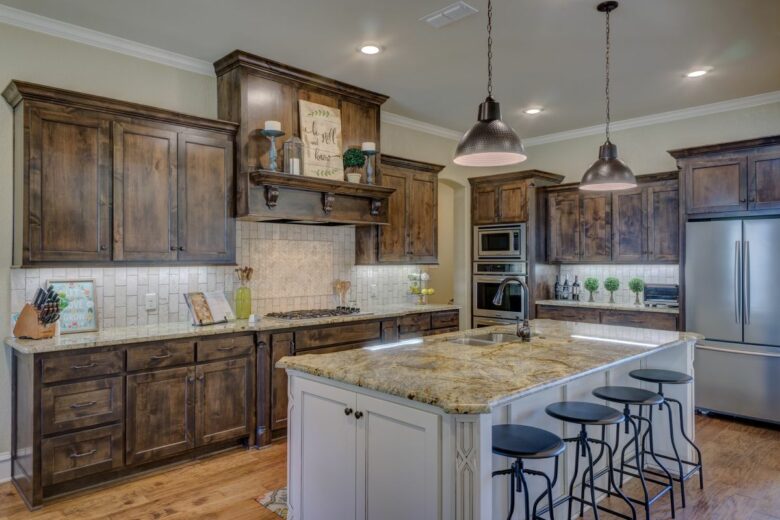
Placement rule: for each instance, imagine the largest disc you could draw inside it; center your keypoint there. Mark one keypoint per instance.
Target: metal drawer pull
(226, 349)
(85, 404)
(75, 455)
(161, 356)
(80, 367)
(358, 415)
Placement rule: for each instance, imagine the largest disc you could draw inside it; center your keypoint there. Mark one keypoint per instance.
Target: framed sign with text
(321, 135)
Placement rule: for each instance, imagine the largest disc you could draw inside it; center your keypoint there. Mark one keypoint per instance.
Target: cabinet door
(629, 225)
(224, 400)
(596, 220)
(393, 237)
(322, 481)
(717, 185)
(69, 187)
(564, 227)
(663, 223)
(513, 202)
(205, 184)
(160, 414)
(397, 461)
(281, 346)
(484, 205)
(423, 218)
(144, 192)
(764, 188)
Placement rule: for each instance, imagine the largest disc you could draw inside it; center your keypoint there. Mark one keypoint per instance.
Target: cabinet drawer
(567, 314)
(445, 320)
(160, 355)
(229, 346)
(647, 320)
(76, 405)
(414, 323)
(76, 455)
(434, 332)
(326, 336)
(77, 366)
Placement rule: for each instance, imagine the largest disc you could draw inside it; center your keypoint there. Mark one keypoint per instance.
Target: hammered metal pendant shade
(608, 173)
(490, 142)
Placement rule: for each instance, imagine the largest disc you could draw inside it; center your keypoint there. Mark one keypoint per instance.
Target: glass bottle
(575, 289)
(557, 287)
(566, 288)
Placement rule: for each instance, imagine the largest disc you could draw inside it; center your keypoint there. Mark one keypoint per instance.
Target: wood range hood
(252, 90)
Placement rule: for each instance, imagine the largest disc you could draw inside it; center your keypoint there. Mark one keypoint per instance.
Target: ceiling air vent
(447, 15)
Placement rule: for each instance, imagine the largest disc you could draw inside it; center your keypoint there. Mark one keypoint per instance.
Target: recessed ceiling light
(697, 73)
(370, 48)
(533, 111)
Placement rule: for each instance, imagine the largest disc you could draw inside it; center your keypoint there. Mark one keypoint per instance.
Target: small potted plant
(354, 160)
(637, 286)
(591, 285)
(612, 284)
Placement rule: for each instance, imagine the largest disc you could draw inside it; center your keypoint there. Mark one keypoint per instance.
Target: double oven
(499, 251)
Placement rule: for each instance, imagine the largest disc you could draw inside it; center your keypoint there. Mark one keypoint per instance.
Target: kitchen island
(404, 430)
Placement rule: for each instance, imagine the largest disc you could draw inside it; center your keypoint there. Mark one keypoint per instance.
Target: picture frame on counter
(78, 310)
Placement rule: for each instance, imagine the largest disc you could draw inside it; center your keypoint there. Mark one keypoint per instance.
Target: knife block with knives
(38, 320)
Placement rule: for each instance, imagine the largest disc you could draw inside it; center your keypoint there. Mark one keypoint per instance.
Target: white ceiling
(547, 52)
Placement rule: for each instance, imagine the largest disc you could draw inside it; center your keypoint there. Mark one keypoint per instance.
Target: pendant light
(608, 173)
(490, 142)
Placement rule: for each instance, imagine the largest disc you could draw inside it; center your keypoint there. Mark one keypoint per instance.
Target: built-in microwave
(505, 241)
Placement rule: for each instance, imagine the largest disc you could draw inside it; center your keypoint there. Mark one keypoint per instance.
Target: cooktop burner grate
(314, 313)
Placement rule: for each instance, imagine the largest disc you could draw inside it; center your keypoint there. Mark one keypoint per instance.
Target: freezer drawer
(739, 380)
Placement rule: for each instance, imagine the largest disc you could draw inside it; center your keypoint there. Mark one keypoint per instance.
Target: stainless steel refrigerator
(732, 287)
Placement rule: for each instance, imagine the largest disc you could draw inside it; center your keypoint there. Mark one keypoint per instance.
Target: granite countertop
(475, 379)
(178, 330)
(609, 306)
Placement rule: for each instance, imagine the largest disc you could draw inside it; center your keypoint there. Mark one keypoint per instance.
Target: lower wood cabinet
(627, 318)
(223, 400)
(349, 440)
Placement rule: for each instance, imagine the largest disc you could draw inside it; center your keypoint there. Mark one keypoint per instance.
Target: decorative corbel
(327, 202)
(376, 204)
(271, 196)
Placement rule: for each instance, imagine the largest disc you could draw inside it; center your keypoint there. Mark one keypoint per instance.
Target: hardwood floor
(741, 482)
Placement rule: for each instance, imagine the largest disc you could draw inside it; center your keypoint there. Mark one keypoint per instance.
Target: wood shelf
(301, 182)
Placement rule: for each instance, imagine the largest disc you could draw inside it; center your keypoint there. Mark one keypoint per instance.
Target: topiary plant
(591, 285)
(636, 285)
(612, 284)
(354, 159)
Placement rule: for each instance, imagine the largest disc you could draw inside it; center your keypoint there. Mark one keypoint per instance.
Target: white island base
(356, 453)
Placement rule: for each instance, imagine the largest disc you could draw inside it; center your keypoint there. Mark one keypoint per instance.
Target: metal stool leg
(611, 475)
(676, 453)
(521, 476)
(663, 468)
(592, 482)
(689, 441)
(645, 493)
(511, 473)
(550, 485)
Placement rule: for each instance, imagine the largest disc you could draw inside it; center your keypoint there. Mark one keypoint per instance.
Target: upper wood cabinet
(641, 225)
(412, 211)
(98, 180)
(731, 178)
(505, 198)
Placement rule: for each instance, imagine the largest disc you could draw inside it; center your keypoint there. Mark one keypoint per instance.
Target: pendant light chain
(606, 89)
(490, 49)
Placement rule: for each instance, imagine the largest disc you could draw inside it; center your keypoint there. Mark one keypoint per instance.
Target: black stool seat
(525, 442)
(656, 375)
(628, 395)
(585, 413)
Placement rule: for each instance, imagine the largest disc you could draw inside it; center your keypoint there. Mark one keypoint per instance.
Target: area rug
(275, 501)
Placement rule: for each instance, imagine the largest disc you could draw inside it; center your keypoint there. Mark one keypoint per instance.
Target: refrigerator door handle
(746, 284)
(736, 281)
(732, 351)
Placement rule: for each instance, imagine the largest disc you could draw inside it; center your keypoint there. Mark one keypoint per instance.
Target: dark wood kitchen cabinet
(563, 229)
(505, 198)
(281, 345)
(596, 227)
(412, 234)
(629, 225)
(224, 400)
(625, 318)
(100, 180)
(663, 222)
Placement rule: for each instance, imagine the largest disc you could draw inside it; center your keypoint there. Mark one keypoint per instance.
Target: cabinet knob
(347, 411)
(181, 248)
(173, 248)
(103, 247)
(358, 415)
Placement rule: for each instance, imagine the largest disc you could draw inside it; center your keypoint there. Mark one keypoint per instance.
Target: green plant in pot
(591, 285)
(354, 160)
(636, 285)
(612, 284)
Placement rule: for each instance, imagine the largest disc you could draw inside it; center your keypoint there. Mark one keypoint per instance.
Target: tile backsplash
(295, 267)
(660, 273)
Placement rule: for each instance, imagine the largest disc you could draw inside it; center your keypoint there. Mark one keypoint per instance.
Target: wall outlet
(151, 302)
(374, 293)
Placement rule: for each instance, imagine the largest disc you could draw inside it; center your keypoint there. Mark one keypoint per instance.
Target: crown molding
(420, 126)
(663, 117)
(68, 31)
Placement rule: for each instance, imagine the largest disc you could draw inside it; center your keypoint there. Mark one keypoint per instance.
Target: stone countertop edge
(608, 306)
(181, 330)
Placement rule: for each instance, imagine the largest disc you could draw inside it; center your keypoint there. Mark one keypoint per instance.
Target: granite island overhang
(415, 417)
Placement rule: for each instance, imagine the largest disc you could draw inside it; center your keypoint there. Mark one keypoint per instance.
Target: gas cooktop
(314, 313)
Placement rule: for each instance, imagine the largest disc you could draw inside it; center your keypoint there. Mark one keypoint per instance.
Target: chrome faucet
(524, 329)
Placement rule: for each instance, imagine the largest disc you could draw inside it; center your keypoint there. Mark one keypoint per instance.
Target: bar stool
(520, 443)
(671, 377)
(629, 396)
(590, 414)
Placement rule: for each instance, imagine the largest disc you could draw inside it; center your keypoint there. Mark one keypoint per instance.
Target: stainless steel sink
(482, 340)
